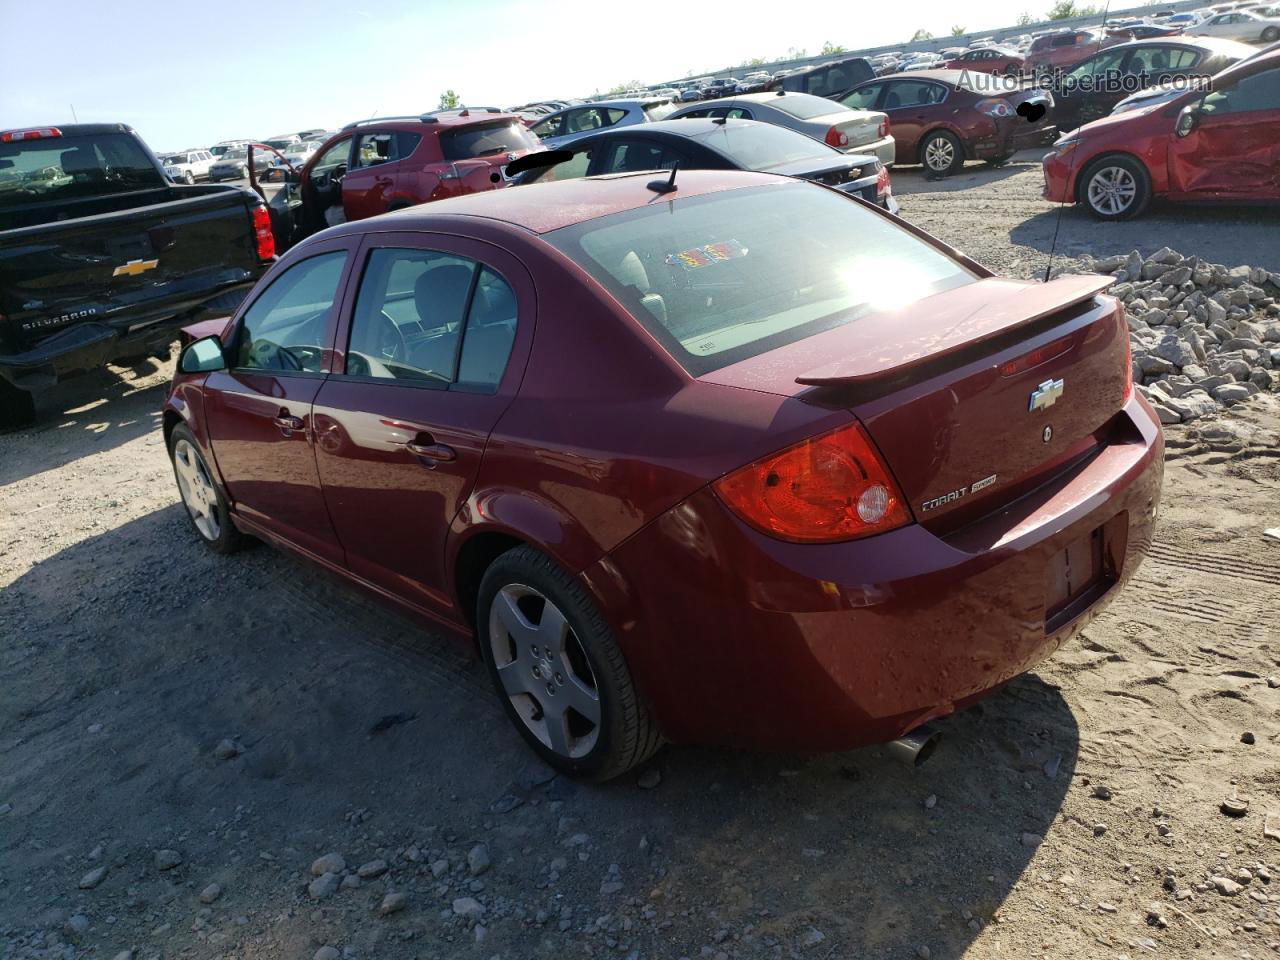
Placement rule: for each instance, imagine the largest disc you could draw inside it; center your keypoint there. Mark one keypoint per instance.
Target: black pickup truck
(103, 258)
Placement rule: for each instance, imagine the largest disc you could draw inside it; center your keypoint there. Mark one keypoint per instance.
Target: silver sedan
(853, 131)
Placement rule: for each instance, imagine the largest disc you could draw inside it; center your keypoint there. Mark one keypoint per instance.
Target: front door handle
(286, 422)
(439, 452)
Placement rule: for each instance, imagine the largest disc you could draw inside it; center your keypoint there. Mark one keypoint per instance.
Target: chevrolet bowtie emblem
(134, 267)
(1045, 395)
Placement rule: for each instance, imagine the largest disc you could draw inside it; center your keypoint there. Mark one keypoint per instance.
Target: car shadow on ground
(136, 651)
(1230, 235)
(115, 407)
(911, 179)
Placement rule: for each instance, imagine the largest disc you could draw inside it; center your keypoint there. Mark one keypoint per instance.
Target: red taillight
(35, 133)
(837, 138)
(262, 233)
(882, 182)
(884, 128)
(1123, 320)
(832, 487)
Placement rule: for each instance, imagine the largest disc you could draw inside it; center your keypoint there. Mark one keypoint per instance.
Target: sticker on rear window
(711, 253)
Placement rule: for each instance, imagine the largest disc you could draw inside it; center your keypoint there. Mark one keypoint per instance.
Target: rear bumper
(884, 150)
(87, 346)
(737, 638)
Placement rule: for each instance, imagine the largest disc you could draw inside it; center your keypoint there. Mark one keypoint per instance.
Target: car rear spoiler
(897, 341)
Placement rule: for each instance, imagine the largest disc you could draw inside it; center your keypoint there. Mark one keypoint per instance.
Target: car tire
(941, 153)
(244, 173)
(597, 727)
(1115, 188)
(17, 407)
(188, 178)
(1271, 35)
(203, 499)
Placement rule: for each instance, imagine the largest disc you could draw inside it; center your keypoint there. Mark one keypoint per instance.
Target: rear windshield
(659, 111)
(804, 107)
(763, 146)
(506, 136)
(66, 168)
(726, 276)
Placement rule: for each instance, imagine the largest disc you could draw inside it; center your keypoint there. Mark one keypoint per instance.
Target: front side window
(628, 156)
(431, 319)
(726, 276)
(284, 329)
(1261, 91)
(913, 93)
(334, 157)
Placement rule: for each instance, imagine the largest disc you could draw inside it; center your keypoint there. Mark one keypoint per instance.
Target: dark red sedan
(939, 121)
(749, 461)
(1217, 145)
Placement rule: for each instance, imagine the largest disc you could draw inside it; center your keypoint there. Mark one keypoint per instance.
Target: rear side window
(431, 319)
(373, 149)
(506, 136)
(864, 98)
(66, 168)
(726, 276)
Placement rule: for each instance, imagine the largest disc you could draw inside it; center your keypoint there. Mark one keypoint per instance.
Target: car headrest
(440, 294)
(892, 100)
(631, 273)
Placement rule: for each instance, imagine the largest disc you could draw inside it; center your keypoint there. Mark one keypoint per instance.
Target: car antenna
(1057, 224)
(665, 186)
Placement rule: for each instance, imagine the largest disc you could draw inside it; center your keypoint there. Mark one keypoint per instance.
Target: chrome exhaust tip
(916, 747)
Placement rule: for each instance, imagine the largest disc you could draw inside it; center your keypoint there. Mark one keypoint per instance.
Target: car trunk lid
(971, 395)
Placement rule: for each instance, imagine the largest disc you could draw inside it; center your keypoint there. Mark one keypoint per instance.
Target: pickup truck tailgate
(148, 262)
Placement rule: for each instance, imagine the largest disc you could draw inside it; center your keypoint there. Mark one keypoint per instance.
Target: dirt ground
(1075, 814)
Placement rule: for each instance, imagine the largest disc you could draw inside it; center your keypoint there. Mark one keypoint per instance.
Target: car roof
(543, 207)
(476, 115)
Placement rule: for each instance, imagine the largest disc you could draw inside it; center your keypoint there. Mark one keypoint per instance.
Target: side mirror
(202, 356)
(1188, 119)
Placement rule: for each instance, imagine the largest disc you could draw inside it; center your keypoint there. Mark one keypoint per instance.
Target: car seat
(439, 296)
(892, 99)
(491, 329)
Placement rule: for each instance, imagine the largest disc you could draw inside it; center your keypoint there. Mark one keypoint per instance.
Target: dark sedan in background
(1092, 88)
(940, 124)
(720, 145)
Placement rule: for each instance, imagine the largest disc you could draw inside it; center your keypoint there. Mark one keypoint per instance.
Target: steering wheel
(387, 340)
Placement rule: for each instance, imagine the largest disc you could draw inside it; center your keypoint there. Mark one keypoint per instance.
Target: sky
(189, 76)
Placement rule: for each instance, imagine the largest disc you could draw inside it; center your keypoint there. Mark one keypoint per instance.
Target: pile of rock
(1203, 335)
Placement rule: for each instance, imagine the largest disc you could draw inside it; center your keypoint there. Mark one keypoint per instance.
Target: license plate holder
(1075, 578)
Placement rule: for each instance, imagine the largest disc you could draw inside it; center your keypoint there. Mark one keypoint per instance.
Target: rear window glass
(659, 111)
(762, 146)
(727, 276)
(803, 106)
(66, 168)
(507, 136)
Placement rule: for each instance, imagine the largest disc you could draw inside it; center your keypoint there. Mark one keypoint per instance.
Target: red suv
(1064, 49)
(375, 166)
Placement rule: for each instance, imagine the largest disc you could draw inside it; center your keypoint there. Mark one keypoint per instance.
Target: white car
(218, 149)
(1244, 25)
(298, 154)
(188, 166)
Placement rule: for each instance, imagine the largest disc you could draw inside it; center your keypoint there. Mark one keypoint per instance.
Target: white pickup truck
(188, 166)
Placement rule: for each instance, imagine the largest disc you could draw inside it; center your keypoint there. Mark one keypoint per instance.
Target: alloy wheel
(544, 670)
(939, 154)
(198, 494)
(1112, 190)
